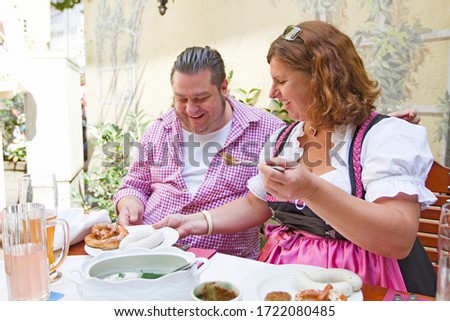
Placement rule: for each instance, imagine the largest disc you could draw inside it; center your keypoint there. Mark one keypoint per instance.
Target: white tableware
(92, 285)
(170, 238)
(443, 275)
(278, 278)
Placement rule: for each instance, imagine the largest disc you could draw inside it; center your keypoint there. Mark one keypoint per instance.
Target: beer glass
(42, 188)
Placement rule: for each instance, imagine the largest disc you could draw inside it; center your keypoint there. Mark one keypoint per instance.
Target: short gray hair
(196, 59)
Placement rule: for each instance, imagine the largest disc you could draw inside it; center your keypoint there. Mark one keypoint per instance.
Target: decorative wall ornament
(162, 7)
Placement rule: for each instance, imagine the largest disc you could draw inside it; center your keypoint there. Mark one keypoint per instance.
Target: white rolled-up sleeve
(396, 158)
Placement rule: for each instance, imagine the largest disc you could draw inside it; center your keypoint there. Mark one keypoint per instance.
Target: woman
(354, 198)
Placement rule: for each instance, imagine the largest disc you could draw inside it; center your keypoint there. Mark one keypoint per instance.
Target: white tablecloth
(223, 267)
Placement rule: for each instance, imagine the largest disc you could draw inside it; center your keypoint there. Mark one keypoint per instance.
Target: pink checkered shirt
(157, 181)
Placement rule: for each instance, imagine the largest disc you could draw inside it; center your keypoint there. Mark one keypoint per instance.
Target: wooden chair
(438, 182)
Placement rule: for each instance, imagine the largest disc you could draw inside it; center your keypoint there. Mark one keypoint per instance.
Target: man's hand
(131, 211)
(408, 114)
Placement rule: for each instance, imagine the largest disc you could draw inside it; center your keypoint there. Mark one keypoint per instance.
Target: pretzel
(106, 236)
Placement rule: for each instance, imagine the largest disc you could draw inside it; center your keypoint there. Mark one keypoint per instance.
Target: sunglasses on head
(291, 32)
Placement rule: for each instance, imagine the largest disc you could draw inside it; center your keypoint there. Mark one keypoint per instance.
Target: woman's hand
(294, 183)
(185, 225)
(233, 217)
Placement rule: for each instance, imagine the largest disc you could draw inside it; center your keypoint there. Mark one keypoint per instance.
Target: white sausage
(343, 282)
(336, 275)
(149, 242)
(304, 282)
(137, 236)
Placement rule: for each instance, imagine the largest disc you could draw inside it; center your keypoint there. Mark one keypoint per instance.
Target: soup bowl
(118, 276)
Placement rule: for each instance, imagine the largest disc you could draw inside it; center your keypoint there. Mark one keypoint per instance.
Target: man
(180, 170)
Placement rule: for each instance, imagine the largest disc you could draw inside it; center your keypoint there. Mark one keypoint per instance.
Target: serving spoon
(151, 275)
(186, 267)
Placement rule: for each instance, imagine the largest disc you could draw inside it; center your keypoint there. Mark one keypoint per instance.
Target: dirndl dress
(304, 238)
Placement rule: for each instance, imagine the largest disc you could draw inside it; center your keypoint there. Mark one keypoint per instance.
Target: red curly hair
(342, 91)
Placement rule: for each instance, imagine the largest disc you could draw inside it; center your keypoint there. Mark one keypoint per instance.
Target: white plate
(170, 237)
(278, 278)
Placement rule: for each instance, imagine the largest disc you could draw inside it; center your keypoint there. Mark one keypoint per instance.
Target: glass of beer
(25, 252)
(42, 188)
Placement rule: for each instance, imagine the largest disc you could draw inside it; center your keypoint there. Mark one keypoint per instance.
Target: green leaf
(151, 275)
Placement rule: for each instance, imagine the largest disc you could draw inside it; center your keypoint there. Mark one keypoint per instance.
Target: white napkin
(80, 224)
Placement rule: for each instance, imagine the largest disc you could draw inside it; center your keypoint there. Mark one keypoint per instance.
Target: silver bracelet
(209, 221)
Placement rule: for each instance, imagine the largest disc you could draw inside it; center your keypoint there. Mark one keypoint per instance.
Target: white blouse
(395, 158)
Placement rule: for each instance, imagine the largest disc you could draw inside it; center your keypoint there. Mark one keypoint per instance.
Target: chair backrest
(438, 181)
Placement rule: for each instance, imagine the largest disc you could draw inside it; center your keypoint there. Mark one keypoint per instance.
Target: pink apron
(298, 247)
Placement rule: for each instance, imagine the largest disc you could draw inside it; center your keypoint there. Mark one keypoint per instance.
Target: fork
(230, 160)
